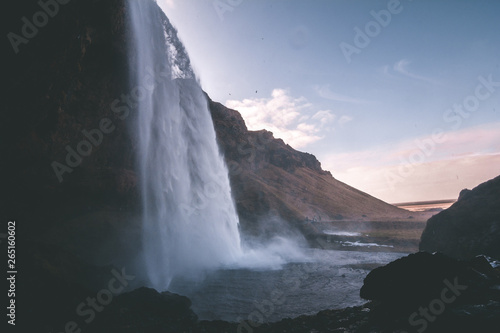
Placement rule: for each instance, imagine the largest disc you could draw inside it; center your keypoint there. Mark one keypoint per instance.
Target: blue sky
(366, 104)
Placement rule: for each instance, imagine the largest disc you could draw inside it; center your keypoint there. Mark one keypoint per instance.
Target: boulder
(144, 310)
(470, 227)
(434, 291)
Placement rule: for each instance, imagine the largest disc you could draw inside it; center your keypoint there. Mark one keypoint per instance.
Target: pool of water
(324, 279)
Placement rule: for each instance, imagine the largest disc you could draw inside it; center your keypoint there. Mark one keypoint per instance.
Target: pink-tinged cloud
(429, 181)
(463, 160)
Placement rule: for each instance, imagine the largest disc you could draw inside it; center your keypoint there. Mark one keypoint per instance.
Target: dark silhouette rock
(146, 310)
(418, 278)
(470, 227)
(433, 291)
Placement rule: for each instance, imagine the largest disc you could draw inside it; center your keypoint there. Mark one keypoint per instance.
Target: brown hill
(270, 177)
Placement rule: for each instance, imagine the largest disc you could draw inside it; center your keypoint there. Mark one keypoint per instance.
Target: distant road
(426, 205)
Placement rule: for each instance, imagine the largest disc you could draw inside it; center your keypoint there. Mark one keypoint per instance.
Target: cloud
(308, 128)
(472, 141)
(465, 159)
(325, 117)
(344, 120)
(436, 180)
(286, 116)
(169, 3)
(165, 5)
(402, 68)
(325, 92)
(278, 114)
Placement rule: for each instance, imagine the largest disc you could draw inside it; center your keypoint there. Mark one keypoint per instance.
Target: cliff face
(67, 152)
(469, 227)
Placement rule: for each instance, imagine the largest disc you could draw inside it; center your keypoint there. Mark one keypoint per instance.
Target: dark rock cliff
(61, 85)
(470, 227)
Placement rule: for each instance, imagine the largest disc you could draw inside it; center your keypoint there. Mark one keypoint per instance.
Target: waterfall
(189, 219)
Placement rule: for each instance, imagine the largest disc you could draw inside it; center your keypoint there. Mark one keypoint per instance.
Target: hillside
(270, 177)
(470, 227)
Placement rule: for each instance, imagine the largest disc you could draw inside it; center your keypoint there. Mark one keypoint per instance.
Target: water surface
(327, 279)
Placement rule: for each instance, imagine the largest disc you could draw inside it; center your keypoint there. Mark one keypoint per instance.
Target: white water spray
(190, 223)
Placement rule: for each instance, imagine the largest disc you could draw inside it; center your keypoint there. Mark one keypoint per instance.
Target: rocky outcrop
(417, 279)
(435, 293)
(469, 227)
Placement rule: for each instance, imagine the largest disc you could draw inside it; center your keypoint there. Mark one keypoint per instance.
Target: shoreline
(396, 235)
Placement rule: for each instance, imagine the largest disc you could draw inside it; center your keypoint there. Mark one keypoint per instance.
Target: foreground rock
(146, 309)
(435, 292)
(469, 227)
(419, 277)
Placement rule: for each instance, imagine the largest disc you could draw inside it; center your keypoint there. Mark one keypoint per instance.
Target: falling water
(189, 220)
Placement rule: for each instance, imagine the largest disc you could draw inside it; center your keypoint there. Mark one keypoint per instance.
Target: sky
(400, 99)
